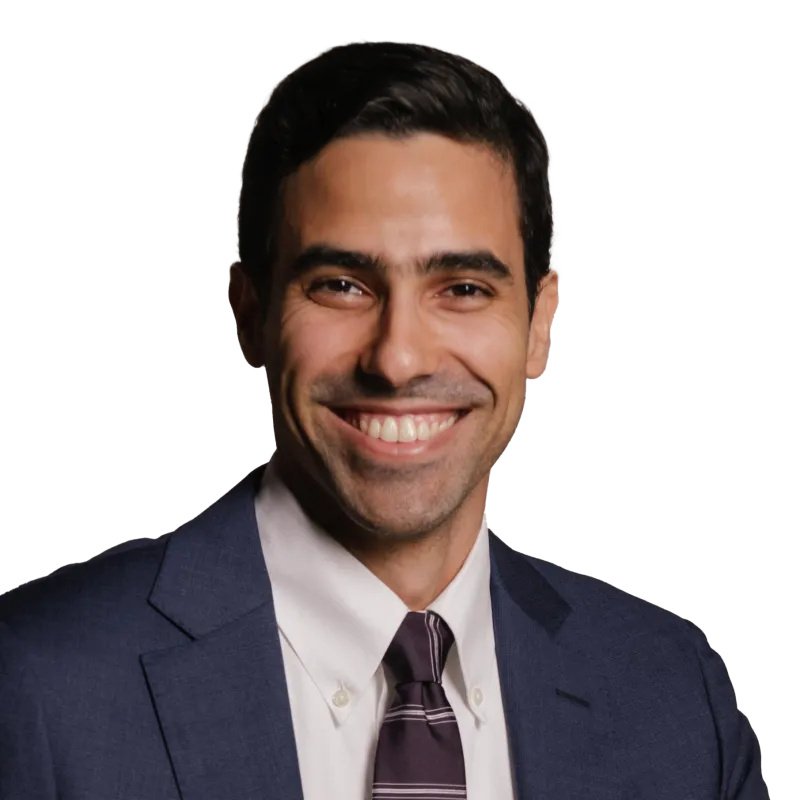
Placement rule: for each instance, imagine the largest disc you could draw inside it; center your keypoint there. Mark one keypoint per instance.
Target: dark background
(624, 467)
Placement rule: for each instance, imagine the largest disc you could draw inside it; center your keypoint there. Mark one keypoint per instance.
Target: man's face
(397, 341)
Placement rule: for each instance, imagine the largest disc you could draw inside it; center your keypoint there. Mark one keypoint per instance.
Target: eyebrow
(321, 255)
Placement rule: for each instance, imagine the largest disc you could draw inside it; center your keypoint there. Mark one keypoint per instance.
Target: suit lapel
(555, 706)
(221, 698)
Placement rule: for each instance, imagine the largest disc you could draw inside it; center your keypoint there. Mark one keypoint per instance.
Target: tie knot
(419, 649)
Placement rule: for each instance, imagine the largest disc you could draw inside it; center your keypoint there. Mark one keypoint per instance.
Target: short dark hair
(396, 89)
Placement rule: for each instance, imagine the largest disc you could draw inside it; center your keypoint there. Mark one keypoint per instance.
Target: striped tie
(419, 751)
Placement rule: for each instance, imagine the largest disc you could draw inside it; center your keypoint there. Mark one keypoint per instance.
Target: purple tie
(419, 751)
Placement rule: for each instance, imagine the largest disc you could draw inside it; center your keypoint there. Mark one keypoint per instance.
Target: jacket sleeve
(740, 756)
(26, 767)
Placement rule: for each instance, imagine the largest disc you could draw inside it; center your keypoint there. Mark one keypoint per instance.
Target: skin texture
(339, 335)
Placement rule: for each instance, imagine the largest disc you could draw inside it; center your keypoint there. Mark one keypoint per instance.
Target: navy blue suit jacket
(155, 671)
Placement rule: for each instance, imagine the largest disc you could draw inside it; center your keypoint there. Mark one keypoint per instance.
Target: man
(342, 623)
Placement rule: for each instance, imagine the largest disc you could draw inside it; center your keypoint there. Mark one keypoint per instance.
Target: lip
(398, 410)
(397, 451)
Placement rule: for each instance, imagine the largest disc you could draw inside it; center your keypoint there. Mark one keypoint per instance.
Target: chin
(396, 520)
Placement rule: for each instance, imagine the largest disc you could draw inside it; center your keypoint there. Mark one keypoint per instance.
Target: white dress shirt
(336, 621)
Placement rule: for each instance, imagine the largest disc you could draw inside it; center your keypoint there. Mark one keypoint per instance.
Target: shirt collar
(466, 606)
(340, 618)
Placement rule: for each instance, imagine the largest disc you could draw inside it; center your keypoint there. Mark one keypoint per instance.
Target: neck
(417, 569)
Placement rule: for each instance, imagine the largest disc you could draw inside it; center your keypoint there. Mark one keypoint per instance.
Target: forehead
(402, 198)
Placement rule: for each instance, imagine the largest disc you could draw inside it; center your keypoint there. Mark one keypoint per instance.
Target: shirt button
(340, 698)
(477, 696)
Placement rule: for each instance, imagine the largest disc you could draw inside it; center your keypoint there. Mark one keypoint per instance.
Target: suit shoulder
(611, 612)
(117, 577)
(643, 650)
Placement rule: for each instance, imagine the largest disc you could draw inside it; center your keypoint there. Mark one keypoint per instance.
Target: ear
(247, 311)
(539, 334)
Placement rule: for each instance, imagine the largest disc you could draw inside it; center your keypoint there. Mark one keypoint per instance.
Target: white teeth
(402, 429)
(408, 431)
(389, 430)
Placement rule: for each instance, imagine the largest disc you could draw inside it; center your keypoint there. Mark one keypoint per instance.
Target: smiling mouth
(405, 428)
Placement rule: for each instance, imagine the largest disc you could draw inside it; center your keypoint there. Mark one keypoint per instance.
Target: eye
(468, 290)
(336, 286)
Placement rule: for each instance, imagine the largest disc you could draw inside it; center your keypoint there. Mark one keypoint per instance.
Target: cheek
(495, 351)
(308, 349)
(313, 343)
